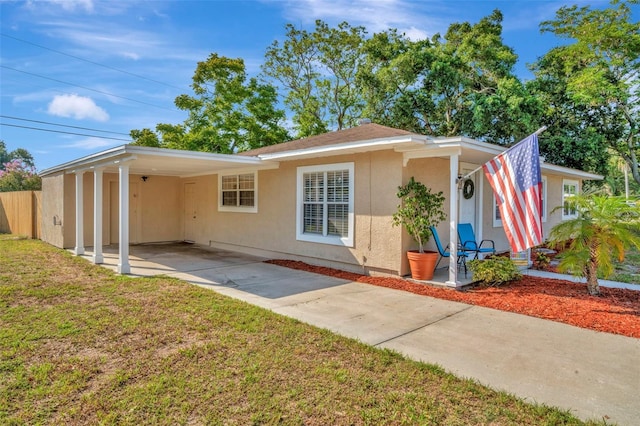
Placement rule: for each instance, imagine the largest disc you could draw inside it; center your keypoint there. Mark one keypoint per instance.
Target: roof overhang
(170, 162)
(161, 161)
(409, 141)
(477, 152)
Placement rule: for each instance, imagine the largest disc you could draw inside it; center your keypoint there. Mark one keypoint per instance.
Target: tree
(617, 180)
(17, 154)
(573, 137)
(419, 210)
(599, 72)
(462, 84)
(604, 227)
(16, 175)
(228, 113)
(318, 72)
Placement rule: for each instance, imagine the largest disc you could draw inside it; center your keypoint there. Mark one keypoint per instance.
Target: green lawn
(628, 271)
(80, 345)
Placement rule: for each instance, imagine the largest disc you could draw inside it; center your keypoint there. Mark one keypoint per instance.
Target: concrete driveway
(594, 375)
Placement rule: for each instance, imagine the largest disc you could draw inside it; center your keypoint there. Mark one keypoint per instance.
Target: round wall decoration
(468, 189)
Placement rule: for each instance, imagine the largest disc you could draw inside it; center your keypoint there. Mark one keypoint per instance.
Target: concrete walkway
(594, 375)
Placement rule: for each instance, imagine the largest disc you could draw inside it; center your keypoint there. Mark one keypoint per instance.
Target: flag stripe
(515, 178)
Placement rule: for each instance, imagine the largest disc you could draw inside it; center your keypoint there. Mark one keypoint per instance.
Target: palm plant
(604, 228)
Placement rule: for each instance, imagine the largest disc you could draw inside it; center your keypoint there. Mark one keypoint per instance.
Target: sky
(90, 71)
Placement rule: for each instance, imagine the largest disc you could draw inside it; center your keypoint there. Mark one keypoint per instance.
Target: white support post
(79, 249)
(453, 221)
(97, 216)
(123, 260)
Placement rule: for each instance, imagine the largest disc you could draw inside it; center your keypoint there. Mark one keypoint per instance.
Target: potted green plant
(418, 210)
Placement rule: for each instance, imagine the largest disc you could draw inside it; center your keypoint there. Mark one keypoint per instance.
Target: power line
(86, 88)
(92, 62)
(63, 125)
(65, 133)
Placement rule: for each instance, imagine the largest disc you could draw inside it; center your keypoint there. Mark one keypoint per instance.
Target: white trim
(79, 249)
(238, 208)
(453, 222)
(98, 257)
(545, 201)
(123, 213)
(430, 152)
(564, 196)
(110, 157)
(324, 239)
(367, 145)
(565, 171)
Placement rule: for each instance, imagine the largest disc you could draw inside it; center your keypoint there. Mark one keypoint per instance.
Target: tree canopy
(590, 86)
(318, 70)
(459, 84)
(17, 154)
(228, 113)
(17, 175)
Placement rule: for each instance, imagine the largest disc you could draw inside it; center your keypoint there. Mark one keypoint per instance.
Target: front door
(190, 212)
(469, 199)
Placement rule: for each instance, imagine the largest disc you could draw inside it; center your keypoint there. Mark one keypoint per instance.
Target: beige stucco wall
(377, 244)
(434, 173)
(155, 208)
(158, 212)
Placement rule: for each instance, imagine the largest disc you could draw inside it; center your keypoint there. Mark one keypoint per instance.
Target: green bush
(494, 271)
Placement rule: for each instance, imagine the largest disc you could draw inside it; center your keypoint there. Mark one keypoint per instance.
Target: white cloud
(410, 18)
(92, 143)
(72, 5)
(415, 34)
(78, 107)
(131, 55)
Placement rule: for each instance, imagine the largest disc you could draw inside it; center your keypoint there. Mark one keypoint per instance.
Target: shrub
(494, 271)
(541, 260)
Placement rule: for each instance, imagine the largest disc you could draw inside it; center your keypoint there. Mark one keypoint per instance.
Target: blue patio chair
(469, 243)
(444, 252)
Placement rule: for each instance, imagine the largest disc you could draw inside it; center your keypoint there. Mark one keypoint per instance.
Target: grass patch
(628, 271)
(79, 344)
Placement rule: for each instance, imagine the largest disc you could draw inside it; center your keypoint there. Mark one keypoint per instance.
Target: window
(325, 204)
(238, 193)
(497, 220)
(569, 189)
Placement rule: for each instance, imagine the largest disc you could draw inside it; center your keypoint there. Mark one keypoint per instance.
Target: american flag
(515, 178)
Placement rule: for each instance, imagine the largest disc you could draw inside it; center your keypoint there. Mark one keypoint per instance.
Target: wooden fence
(21, 213)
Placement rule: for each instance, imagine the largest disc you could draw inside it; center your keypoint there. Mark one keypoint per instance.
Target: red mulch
(616, 311)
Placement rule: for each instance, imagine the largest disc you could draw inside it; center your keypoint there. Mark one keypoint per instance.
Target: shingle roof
(363, 132)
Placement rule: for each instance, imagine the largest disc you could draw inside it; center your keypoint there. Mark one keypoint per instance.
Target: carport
(147, 162)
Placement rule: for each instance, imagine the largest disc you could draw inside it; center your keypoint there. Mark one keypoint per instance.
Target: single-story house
(326, 199)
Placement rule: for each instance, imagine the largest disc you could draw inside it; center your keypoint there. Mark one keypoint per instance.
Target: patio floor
(178, 258)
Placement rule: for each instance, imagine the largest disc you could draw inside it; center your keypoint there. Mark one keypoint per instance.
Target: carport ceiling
(184, 167)
(164, 162)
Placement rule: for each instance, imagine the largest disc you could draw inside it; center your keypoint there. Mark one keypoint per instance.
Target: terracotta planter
(422, 264)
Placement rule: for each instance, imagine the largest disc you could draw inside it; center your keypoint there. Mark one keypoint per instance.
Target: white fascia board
(430, 152)
(83, 162)
(567, 172)
(108, 157)
(485, 147)
(195, 155)
(494, 149)
(101, 164)
(367, 145)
